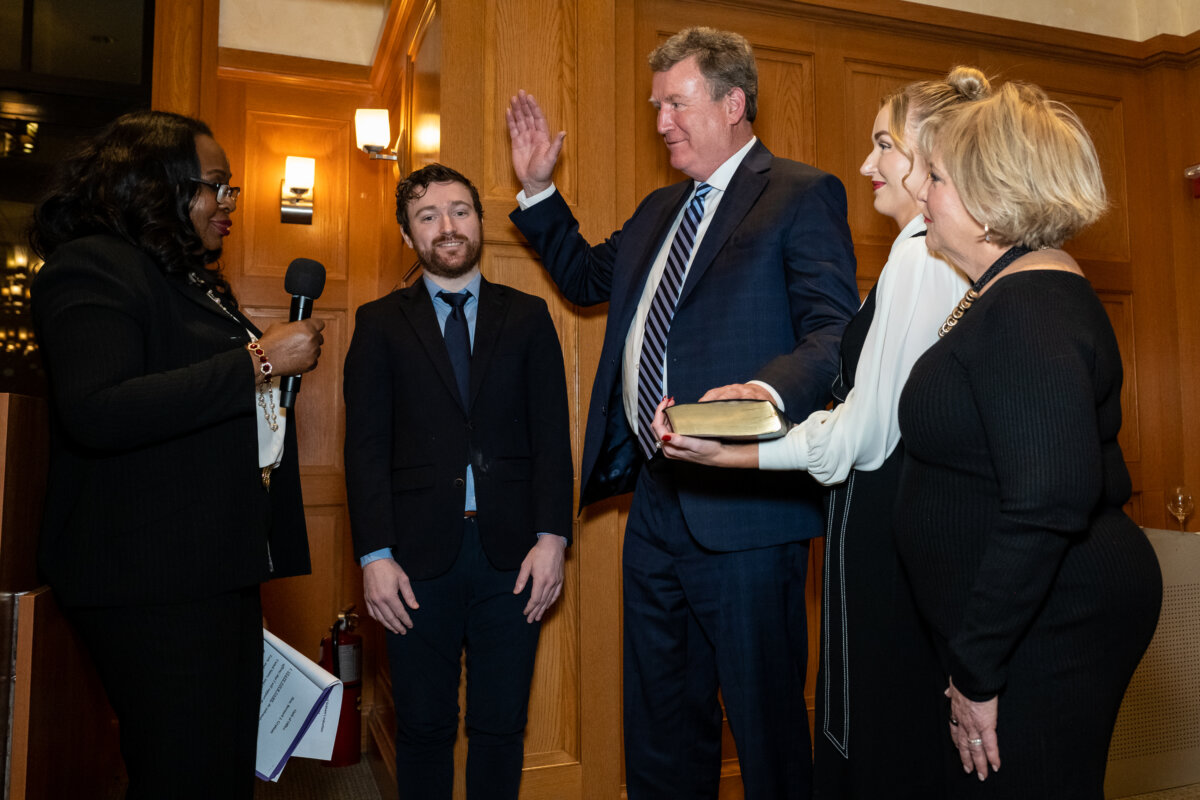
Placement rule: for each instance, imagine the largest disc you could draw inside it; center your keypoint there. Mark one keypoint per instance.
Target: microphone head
(305, 278)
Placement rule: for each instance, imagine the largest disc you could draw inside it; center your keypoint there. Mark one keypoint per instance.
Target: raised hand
(534, 153)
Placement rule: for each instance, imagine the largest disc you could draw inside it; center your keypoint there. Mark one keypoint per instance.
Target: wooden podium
(61, 732)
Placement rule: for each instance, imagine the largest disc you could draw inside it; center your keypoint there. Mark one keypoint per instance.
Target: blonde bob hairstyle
(1022, 163)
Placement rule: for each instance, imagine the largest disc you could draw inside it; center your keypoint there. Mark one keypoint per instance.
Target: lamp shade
(372, 128)
(299, 173)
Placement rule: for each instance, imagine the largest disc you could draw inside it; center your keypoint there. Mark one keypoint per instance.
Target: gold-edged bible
(733, 420)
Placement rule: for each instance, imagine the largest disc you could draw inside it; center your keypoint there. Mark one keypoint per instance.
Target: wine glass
(1180, 503)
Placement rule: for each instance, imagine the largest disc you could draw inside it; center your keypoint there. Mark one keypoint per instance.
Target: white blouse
(915, 292)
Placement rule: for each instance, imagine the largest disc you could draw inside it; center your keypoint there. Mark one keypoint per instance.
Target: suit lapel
(748, 182)
(199, 295)
(417, 307)
(492, 311)
(658, 230)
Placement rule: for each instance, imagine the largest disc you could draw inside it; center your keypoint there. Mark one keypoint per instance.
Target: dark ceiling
(68, 66)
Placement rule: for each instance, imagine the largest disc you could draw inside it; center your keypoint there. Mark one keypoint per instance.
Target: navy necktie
(658, 320)
(458, 340)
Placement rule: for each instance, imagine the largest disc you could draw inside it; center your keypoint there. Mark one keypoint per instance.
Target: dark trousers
(184, 680)
(696, 619)
(473, 607)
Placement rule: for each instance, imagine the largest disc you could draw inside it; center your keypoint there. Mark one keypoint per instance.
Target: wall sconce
(296, 191)
(427, 136)
(373, 133)
(1192, 173)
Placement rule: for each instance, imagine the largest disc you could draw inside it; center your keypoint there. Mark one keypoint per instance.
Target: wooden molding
(966, 27)
(391, 60)
(307, 73)
(185, 46)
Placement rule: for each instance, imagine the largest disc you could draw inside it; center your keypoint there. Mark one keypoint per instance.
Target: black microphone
(305, 280)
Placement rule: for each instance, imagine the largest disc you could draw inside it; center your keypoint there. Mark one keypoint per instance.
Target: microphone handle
(289, 387)
(302, 307)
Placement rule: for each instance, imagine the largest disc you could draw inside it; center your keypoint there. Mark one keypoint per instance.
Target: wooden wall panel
(1120, 312)
(866, 84)
(185, 57)
(300, 610)
(554, 707)
(1103, 117)
(424, 120)
(269, 245)
(785, 81)
(508, 63)
(1185, 214)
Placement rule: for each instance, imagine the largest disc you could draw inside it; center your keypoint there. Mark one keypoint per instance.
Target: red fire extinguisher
(344, 659)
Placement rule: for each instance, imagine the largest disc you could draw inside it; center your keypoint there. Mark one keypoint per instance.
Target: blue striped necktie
(658, 320)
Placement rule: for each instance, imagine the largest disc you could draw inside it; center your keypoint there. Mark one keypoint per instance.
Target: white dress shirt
(916, 291)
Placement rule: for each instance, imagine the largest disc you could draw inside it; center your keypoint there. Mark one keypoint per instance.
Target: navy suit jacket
(770, 289)
(409, 438)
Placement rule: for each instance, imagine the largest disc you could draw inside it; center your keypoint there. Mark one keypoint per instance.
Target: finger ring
(975, 742)
(954, 721)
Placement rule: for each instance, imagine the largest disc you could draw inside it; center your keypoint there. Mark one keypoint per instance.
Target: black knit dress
(1036, 585)
(878, 682)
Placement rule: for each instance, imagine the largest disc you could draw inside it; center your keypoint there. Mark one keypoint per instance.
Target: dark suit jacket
(770, 289)
(154, 491)
(409, 439)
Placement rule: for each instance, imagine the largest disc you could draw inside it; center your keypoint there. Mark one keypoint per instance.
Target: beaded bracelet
(264, 366)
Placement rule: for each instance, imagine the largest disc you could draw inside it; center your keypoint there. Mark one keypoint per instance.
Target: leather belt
(470, 514)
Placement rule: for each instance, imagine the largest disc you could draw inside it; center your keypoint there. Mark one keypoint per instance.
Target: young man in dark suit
(458, 473)
(742, 278)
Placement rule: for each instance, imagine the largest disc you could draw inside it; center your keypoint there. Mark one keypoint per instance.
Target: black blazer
(154, 491)
(769, 292)
(408, 438)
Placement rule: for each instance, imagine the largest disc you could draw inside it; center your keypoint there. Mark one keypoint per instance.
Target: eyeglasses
(224, 191)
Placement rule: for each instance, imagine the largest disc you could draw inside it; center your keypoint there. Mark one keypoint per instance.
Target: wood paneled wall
(823, 67)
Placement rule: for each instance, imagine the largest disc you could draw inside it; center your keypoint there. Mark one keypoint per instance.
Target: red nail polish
(666, 437)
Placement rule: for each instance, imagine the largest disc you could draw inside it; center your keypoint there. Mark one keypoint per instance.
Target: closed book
(733, 420)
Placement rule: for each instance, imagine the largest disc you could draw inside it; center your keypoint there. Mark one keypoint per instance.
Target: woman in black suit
(165, 436)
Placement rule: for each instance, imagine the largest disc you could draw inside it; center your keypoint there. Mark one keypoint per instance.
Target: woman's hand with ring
(973, 731)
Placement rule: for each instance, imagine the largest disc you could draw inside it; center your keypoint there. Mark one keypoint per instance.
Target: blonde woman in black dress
(1041, 593)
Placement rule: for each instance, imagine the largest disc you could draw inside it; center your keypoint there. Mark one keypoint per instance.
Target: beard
(450, 265)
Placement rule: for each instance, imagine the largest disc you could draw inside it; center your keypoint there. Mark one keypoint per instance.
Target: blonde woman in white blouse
(877, 665)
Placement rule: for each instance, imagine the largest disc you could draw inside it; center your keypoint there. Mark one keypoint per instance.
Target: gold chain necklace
(1010, 255)
(266, 400)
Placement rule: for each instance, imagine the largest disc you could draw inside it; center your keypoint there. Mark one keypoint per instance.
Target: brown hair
(725, 59)
(417, 183)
